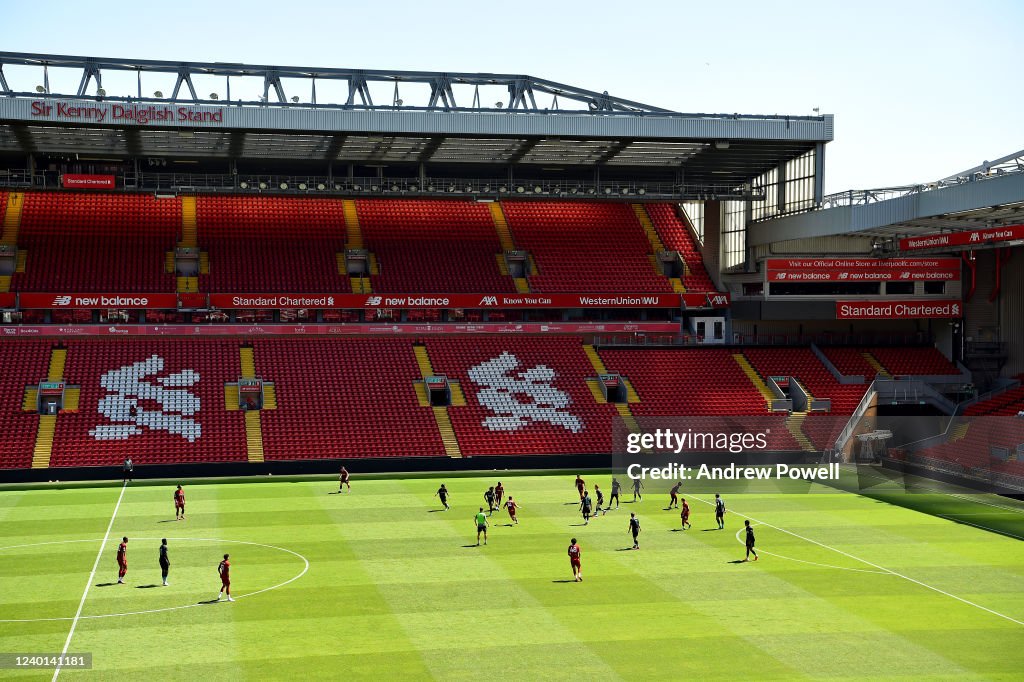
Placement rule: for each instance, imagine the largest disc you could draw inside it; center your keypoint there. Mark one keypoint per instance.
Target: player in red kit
(574, 561)
(224, 569)
(344, 481)
(179, 504)
(684, 515)
(122, 560)
(512, 506)
(499, 492)
(581, 485)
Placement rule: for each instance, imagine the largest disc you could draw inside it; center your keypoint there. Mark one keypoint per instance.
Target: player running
(600, 499)
(749, 541)
(179, 504)
(581, 486)
(165, 562)
(481, 526)
(637, 487)
(224, 570)
(442, 493)
(586, 506)
(122, 560)
(684, 515)
(489, 499)
(499, 493)
(344, 480)
(720, 511)
(634, 528)
(512, 506)
(574, 561)
(673, 500)
(616, 486)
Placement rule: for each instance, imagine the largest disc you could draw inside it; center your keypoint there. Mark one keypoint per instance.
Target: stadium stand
(93, 243)
(432, 246)
(851, 362)
(160, 390)
(805, 366)
(677, 237)
(22, 364)
(344, 398)
(1007, 403)
(271, 244)
(596, 247)
(914, 361)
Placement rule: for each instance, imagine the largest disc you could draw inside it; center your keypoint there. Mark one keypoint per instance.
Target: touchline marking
(873, 565)
(812, 563)
(966, 498)
(305, 568)
(92, 574)
(957, 519)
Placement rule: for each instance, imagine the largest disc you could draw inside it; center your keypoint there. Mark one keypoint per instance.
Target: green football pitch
(380, 583)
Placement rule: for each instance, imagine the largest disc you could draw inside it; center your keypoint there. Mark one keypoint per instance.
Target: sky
(919, 90)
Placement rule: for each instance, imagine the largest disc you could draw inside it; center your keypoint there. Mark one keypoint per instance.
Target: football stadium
(448, 374)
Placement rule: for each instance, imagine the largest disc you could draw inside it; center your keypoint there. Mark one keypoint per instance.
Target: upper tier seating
(344, 398)
(1007, 403)
(22, 363)
(914, 361)
(850, 362)
(676, 237)
(803, 364)
(271, 244)
(160, 378)
(432, 246)
(594, 247)
(97, 243)
(571, 421)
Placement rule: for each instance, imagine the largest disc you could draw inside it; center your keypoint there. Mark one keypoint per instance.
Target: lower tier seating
(22, 363)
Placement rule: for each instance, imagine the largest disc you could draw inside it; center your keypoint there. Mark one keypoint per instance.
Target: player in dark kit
(489, 499)
(122, 560)
(749, 541)
(574, 561)
(499, 493)
(720, 511)
(165, 562)
(673, 500)
(637, 487)
(634, 528)
(512, 506)
(615, 494)
(581, 486)
(224, 570)
(586, 506)
(179, 504)
(442, 492)
(600, 499)
(684, 515)
(344, 481)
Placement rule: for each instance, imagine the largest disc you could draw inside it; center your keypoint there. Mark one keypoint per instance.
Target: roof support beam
(441, 89)
(613, 150)
(184, 76)
(3, 81)
(357, 86)
(89, 71)
(271, 79)
(525, 148)
(334, 148)
(429, 149)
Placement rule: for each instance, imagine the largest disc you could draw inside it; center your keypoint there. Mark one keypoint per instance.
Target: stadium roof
(427, 118)
(988, 195)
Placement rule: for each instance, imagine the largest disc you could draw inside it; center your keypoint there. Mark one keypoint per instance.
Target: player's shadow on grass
(209, 601)
(434, 511)
(105, 584)
(576, 525)
(563, 581)
(336, 492)
(738, 561)
(473, 545)
(625, 549)
(575, 504)
(145, 587)
(167, 520)
(709, 530)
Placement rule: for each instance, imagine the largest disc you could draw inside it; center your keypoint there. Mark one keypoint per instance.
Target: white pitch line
(873, 565)
(812, 563)
(957, 519)
(95, 565)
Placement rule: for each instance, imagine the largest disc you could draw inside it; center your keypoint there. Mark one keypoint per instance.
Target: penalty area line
(92, 575)
(873, 565)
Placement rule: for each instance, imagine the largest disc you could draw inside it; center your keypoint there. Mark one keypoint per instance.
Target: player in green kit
(481, 526)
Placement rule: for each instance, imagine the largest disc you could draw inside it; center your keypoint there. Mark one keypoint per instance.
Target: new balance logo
(489, 300)
(374, 300)
(128, 386)
(499, 395)
(62, 300)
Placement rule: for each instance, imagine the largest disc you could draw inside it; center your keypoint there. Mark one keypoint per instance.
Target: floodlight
(40, 89)
(284, 185)
(263, 185)
(158, 94)
(302, 186)
(101, 93)
(214, 96)
(537, 189)
(295, 99)
(244, 184)
(321, 186)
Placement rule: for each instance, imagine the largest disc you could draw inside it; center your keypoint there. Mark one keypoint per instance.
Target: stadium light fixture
(451, 188)
(520, 189)
(412, 188)
(503, 189)
(574, 190)
(624, 190)
(641, 191)
(214, 96)
(283, 185)
(607, 190)
(357, 188)
(101, 93)
(321, 186)
(399, 102)
(721, 144)
(469, 189)
(394, 188)
(538, 189)
(302, 186)
(374, 188)
(263, 185)
(498, 105)
(430, 188)
(590, 190)
(243, 184)
(295, 99)
(158, 94)
(40, 89)
(486, 188)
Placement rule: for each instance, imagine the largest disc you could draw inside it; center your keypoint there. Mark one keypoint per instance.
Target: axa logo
(128, 386)
(489, 300)
(718, 299)
(62, 300)
(374, 300)
(501, 387)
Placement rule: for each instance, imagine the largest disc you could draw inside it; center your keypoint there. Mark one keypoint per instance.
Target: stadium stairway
(441, 416)
(631, 395)
(354, 240)
(507, 244)
(754, 377)
(879, 369)
(795, 425)
(253, 422)
(657, 246)
(189, 240)
(43, 448)
(9, 233)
